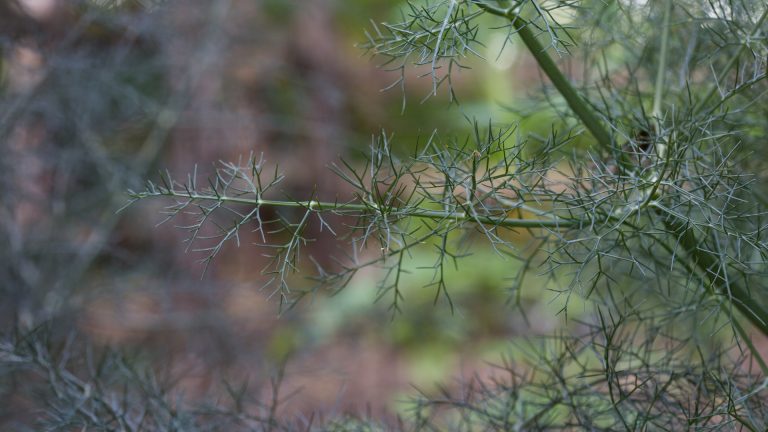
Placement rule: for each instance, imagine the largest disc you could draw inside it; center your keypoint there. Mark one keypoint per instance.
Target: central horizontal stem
(341, 208)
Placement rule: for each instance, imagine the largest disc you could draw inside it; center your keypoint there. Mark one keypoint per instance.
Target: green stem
(752, 348)
(356, 207)
(738, 295)
(660, 73)
(661, 145)
(575, 102)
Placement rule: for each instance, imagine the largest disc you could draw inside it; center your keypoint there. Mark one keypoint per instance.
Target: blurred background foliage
(96, 96)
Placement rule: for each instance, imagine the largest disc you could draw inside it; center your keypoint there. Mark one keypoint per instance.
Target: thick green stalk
(561, 83)
(705, 261)
(335, 207)
(661, 146)
(661, 72)
(738, 295)
(752, 348)
(685, 262)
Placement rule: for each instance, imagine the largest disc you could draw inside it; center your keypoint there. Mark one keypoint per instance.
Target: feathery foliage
(657, 222)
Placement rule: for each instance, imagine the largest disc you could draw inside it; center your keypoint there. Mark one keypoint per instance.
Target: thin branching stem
(356, 208)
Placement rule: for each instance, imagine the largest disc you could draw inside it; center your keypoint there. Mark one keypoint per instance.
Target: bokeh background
(98, 96)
